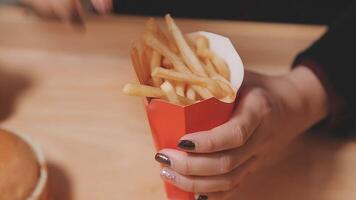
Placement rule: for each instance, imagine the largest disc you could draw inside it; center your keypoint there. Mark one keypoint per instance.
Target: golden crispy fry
(203, 46)
(203, 51)
(202, 43)
(228, 99)
(143, 91)
(221, 67)
(180, 88)
(162, 49)
(178, 76)
(172, 45)
(222, 79)
(203, 92)
(191, 94)
(185, 101)
(168, 89)
(149, 91)
(190, 43)
(224, 84)
(209, 67)
(212, 85)
(155, 62)
(153, 27)
(178, 64)
(185, 74)
(138, 57)
(187, 54)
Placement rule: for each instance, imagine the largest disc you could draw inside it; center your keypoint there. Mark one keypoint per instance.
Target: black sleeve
(334, 54)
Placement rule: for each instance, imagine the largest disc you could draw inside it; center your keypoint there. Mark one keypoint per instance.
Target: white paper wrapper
(223, 47)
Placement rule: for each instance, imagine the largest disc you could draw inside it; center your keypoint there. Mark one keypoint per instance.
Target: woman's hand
(272, 111)
(66, 10)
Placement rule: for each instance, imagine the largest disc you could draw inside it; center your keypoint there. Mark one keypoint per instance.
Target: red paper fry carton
(169, 122)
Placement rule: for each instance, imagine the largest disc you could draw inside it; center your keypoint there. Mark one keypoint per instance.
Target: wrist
(309, 95)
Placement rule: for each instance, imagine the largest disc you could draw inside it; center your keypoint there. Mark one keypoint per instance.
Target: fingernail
(186, 144)
(168, 175)
(202, 197)
(161, 158)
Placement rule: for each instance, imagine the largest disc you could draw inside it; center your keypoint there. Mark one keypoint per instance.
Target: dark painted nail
(202, 197)
(186, 144)
(161, 158)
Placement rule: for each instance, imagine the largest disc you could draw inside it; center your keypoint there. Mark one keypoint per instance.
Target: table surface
(62, 86)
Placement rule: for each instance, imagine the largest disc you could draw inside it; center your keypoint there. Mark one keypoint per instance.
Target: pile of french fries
(183, 69)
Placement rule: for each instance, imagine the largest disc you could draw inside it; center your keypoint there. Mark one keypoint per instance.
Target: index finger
(250, 112)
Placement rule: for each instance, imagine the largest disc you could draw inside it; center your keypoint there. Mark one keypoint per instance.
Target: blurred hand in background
(67, 10)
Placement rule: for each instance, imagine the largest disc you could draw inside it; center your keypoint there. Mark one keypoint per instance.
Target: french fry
(224, 84)
(191, 94)
(143, 91)
(190, 43)
(172, 45)
(210, 84)
(146, 56)
(155, 62)
(187, 54)
(143, 73)
(183, 68)
(153, 27)
(132, 89)
(168, 89)
(178, 76)
(209, 67)
(178, 64)
(162, 49)
(203, 51)
(180, 88)
(222, 79)
(228, 99)
(203, 92)
(202, 44)
(221, 66)
(185, 101)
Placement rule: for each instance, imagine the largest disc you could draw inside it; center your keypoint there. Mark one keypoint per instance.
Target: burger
(20, 170)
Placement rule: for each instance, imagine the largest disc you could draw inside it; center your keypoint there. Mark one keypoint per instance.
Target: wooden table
(62, 87)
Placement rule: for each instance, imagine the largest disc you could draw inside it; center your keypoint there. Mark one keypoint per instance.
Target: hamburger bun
(19, 168)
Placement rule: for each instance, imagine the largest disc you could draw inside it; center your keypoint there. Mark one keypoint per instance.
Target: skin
(66, 10)
(273, 111)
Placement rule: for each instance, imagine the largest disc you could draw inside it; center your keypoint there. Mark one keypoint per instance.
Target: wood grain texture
(62, 86)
